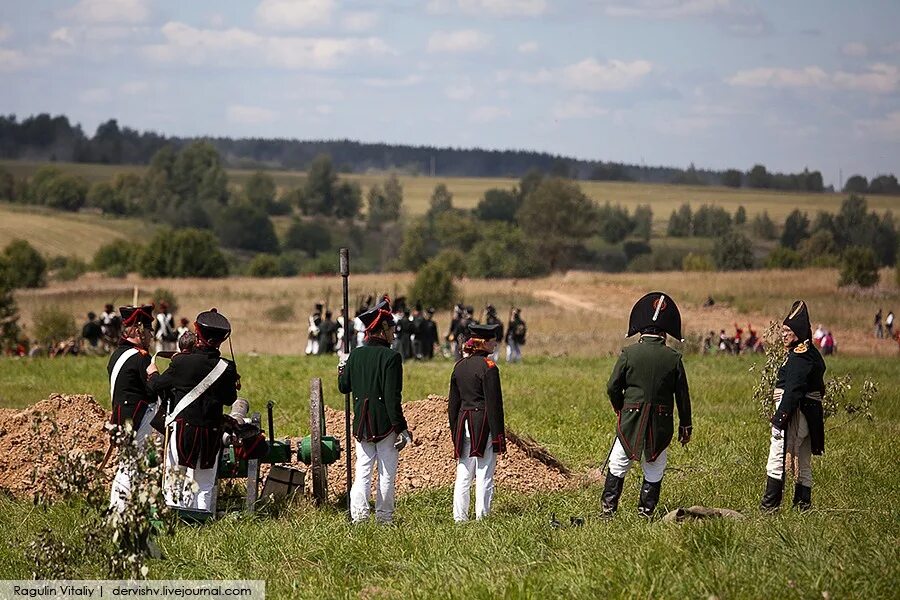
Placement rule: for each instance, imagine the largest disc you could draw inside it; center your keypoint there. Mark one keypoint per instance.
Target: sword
(608, 456)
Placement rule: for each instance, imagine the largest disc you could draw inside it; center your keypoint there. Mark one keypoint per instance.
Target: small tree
(498, 205)
(52, 324)
(7, 185)
(433, 286)
(614, 224)
(183, 253)
(311, 238)
(858, 267)
(763, 226)
(119, 255)
(416, 248)
(456, 229)
(264, 265)
(246, 227)
(740, 215)
(711, 221)
(347, 200)
(26, 268)
(856, 184)
(785, 258)
(796, 229)
(643, 221)
(732, 178)
(697, 262)
(260, 191)
(441, 201)
(733, 252)
(680, 222)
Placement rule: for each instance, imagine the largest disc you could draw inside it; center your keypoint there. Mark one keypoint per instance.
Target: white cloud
(63, 35)
(488, 114)
(12, 60)
(5, 32)
(249, 115)
(734, 17)
(880, 78)
(294, 14)
(528, 47)
(359, 21)
(186, 44)
(134, 88)
(578, 107)
(95, 96)
(887, 128)
(613, 75)
(389, 82)
(460, 92)
(494, 8)
(463, 40)
(855, 50)
(109, 11)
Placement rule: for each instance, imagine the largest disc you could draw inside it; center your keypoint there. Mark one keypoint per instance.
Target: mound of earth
(28, 442)
(429, 462)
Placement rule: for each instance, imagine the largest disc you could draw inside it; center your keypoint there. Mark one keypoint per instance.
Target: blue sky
(721, 83)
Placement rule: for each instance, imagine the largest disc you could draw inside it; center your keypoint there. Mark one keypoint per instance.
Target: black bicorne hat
(371, 318)
(798, 320)
(656, 310)
(484, 332)
(136, 315)
(212, 326)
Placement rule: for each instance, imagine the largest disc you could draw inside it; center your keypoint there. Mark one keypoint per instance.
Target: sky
(717, 83)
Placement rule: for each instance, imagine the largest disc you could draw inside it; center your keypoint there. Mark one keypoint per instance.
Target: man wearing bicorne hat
(476, 418)
(201, 383)
(373, 374)
(647, 383)
(798, 425)
(132, 401)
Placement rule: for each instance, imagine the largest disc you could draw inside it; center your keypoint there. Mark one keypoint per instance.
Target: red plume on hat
(136, 315)
(374, 317)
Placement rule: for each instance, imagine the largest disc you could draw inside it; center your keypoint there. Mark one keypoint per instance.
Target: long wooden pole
(348, 331)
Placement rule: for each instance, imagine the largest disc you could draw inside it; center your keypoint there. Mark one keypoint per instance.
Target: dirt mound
(23, 441)
(429, 462)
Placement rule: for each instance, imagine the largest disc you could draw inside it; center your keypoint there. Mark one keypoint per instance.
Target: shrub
(246, 227)
(785, 258)
(26, 267)
(763, 226)
(859, 266)
(117, 255)
(504, 252)
(614, 223)
(161, 295)
(733, 252)
(310, 237)
(52, 325)
(433, 287)
(740, 215)
(697, 262)
(183, 253)
(634, 249)
(498, 205)
(711, 221)
(68, 268)
(452, 262)
(657, 261)
(264, 265)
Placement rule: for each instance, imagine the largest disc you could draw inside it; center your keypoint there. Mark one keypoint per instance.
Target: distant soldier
(312, 330)
(454, 327)
(111, 324)
(404, 328)
(373, 374)
(327, 335)
(492, 319)
(201, 383)
(417, 319)
(92, 333)
(647, 383)
(516, 331)
(477, 425)
(183, 327)
(166, 334)
(132, 401)
(889, 324)
(798, 425)
(879, 329)
(428, 334)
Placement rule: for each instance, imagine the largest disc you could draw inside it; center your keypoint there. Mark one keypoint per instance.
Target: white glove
(777, 434)
(403, 438)
(342, 361)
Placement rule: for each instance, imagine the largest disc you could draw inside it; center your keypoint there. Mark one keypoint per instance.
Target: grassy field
(844, 548)
(467, 191)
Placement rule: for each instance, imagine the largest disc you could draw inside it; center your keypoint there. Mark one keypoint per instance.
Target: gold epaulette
(800, 348)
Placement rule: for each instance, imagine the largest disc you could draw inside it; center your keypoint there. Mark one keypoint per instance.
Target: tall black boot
(649, 498)
(802, 497)
(612, 490)
(771, 499)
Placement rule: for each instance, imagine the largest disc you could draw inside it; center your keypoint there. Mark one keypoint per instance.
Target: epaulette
(800, 348)
(490, 363)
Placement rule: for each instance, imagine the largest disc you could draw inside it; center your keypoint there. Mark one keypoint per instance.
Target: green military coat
(646, 384)
(374, 375)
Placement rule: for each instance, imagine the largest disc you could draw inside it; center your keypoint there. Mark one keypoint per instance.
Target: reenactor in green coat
(373, 373)
(646, 385)
(798, 425)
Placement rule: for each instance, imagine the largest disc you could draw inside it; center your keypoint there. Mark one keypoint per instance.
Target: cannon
(318, 450)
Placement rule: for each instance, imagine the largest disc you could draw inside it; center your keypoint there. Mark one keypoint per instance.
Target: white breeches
(121, 485)
(368, 455)
(513, 351)
(794, 441)
(619, 464)
(312, 346)
(480, 469)
(185, 487)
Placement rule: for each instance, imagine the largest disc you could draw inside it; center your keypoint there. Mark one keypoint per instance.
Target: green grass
(846, 546)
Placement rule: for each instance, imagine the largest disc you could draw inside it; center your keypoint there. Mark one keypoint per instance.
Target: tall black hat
(136, 315)
(484, 332)
(655, 310)
(371, 318)
(798, 320)
(212, 326)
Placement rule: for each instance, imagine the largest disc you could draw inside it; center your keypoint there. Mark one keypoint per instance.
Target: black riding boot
(802, 497)
(612, 490)
(649, 498)
(771, 499)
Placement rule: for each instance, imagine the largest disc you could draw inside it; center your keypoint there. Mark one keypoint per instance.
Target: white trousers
(480, 469)
(368, 455)
(513, 351)
(185, 487)
(619, 464)
(312, 346)
(794, 440)
(121, 485)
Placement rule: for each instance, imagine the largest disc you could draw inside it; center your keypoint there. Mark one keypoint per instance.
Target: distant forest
(55, 138)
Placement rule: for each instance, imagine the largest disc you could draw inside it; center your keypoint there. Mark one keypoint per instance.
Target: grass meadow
(844, 548)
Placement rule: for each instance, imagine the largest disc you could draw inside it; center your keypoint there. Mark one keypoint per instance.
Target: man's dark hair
(652, 330)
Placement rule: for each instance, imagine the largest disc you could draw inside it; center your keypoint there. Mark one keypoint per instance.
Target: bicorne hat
(136, 315)
(484, 332)
(798, 320)
(212, 326)
(655, 310)
(373, 317)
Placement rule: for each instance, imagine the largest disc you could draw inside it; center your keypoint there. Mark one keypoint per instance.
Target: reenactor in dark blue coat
(647, 384)
(798, 425)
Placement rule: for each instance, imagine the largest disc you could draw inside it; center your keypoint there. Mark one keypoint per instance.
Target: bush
(740, 215)
(161, 295)
(289, 263)
(66, 192)
(433, 287)
(633, 249)
(52, 325)
(763, 226)
(504, 252)
(680, 222)
(117, 255)
(310, 237)
(733, 252)
(246, 227)
(264, 265)
(498, 205)
(183, 253)
(859, 266)
(785, 258)
(697, 262)
(614, 224)
(657, 261)
(452, 262)
(26, 267)
(68, 268)
(711, 221)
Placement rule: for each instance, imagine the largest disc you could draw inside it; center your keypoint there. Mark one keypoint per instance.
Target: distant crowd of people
(733, 344)
(416, 334)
